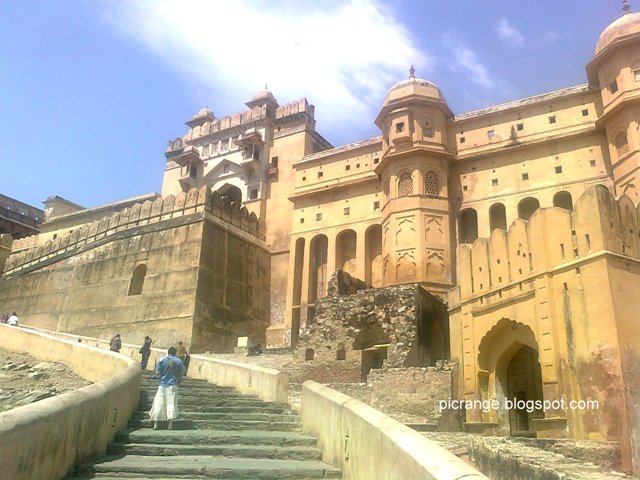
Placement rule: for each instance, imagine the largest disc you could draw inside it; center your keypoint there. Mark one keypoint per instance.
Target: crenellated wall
(29, 252)
(193, 267)
(564, 284)
(242, 118)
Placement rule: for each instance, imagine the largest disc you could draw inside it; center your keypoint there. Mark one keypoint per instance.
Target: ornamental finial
(412, 72)
(625, 7)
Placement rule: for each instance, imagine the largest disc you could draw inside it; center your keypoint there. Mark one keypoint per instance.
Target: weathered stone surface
(26, 380)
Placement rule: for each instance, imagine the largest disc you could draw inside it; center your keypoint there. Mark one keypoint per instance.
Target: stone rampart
(28, 252)
(44, 440)
(552, 237)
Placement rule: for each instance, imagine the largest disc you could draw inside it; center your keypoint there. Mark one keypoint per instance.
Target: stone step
(212, 401)
(184, 424)
(242, 451)
(234, 409)
(207, 393)
(215, 437)
(198, 466)
(226, 416)
(195, 387)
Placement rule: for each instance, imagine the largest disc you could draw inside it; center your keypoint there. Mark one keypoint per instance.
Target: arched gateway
(510, 373)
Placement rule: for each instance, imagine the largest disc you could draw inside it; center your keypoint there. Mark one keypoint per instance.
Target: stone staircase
(219, 434)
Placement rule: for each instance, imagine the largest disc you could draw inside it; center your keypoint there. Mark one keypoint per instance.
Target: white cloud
(466, 60)
(509, 33)
(341, 55)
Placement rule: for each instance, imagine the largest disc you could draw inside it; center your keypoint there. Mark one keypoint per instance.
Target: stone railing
(44, 440)
(140, 214)
(366, 443)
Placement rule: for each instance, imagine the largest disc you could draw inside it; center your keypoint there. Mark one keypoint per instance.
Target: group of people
(170, 370)
(10, 319)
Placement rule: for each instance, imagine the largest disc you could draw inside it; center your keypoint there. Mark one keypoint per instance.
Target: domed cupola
(615, 71)
(412, 88)
(263, 97)
(621, 30)
(204, 115)
(414, 114)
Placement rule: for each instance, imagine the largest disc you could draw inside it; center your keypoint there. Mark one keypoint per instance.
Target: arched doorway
(524, 386)
(509, 369)
(231, 191)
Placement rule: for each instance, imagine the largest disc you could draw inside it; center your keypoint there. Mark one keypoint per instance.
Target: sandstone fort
(505, 241)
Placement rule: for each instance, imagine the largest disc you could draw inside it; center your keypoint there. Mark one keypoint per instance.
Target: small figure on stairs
(145, 351)
(165, 404)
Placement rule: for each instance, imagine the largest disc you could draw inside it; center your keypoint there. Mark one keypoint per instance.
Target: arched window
(431, 183)
(468, 226)
(497, 216)
(405, 184)
(527, 206)
(563, 200)
(386, 187)
(137, 279)
(621, 144)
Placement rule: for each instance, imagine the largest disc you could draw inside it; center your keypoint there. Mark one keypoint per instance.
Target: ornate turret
(615, 70)
(414, 170)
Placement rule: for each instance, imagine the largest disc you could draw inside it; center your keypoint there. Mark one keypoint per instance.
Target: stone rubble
(24, 379)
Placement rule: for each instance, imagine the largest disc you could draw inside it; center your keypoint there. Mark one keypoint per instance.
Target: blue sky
(92, 91)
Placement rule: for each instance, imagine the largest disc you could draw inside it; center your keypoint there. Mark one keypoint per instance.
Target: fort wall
(560, 284)
(189, 267)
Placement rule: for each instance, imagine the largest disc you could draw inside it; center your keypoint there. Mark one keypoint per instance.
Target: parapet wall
(365, 443)
(44, 440)
(28, 252)
(552, 237)
(242, 118)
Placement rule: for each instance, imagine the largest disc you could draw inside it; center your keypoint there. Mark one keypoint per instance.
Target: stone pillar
(306, 268)
(331, 254)
(361, 254)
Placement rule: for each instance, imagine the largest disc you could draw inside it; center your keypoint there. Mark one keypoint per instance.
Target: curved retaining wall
(366, 443)
(44, 440)
(268, 384)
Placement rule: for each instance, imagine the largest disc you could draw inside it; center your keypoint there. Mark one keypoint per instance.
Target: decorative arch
(509, 367)
(468, 225)
(527, 206)
(500, 339)
(563, 200)
(431, 183)
(497, 216)
(405, 184)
